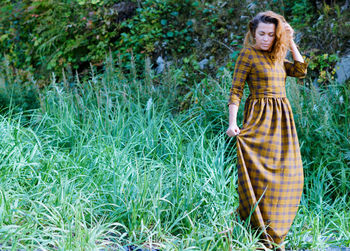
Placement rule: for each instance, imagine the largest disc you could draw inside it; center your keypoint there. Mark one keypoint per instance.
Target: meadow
(110, 162)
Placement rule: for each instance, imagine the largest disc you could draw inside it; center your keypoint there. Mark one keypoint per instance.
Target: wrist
(292, 44)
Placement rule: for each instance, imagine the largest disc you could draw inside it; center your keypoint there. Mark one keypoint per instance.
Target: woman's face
(264, 36)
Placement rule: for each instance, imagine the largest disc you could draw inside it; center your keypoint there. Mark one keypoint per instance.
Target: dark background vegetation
(41, 37)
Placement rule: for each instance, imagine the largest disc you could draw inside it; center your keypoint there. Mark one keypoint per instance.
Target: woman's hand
(292, 46)
(233, 131)
(289, 31)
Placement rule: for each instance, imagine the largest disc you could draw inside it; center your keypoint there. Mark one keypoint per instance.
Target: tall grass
(323, 120)
(107, 163)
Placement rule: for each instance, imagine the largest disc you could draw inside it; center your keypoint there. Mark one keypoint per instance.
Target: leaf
(347, 155)
(195, 4)
(3, 37)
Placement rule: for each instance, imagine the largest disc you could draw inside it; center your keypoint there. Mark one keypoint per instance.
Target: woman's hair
(281, 43)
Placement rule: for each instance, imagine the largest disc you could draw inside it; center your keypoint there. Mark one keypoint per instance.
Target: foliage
(302, 13)
(323, 67)
(323, 26)
(45, 36)
(157, 24)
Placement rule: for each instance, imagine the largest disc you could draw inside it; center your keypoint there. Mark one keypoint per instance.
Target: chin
(266, 48)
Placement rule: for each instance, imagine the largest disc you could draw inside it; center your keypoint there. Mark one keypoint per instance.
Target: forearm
(233, 109)
(295, 52)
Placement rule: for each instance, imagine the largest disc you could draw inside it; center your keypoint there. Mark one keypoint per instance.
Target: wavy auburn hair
(280, 45)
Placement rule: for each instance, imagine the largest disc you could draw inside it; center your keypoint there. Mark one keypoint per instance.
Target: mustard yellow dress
(270, 170)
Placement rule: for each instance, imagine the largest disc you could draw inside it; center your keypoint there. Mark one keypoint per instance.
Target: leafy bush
(323, 67)
(45, 36)
(323, 26)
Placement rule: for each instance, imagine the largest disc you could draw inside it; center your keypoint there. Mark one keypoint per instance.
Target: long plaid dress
(270, 170)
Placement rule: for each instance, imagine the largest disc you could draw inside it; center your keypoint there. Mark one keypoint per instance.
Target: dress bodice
(265, 78)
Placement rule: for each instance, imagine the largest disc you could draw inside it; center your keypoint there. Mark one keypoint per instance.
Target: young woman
(270, 170)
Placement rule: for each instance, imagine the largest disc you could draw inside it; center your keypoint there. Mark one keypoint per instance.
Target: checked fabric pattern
(270, 170)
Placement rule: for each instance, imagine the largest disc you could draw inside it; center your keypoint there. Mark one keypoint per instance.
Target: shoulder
(246, 54)
(247, 51)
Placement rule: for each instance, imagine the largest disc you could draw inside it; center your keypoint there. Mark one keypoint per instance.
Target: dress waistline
(262, 95)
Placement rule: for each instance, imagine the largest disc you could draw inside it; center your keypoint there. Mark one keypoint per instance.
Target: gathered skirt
(270, 170)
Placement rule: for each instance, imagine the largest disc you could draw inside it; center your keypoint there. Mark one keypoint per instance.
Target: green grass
(108, 163)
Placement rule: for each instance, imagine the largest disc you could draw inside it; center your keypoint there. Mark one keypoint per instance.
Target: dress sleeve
(296, 69)
(242, 69)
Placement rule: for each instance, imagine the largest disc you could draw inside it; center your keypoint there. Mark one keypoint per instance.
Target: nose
(265, 38)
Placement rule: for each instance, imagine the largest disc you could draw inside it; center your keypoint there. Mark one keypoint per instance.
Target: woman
(270, 171)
